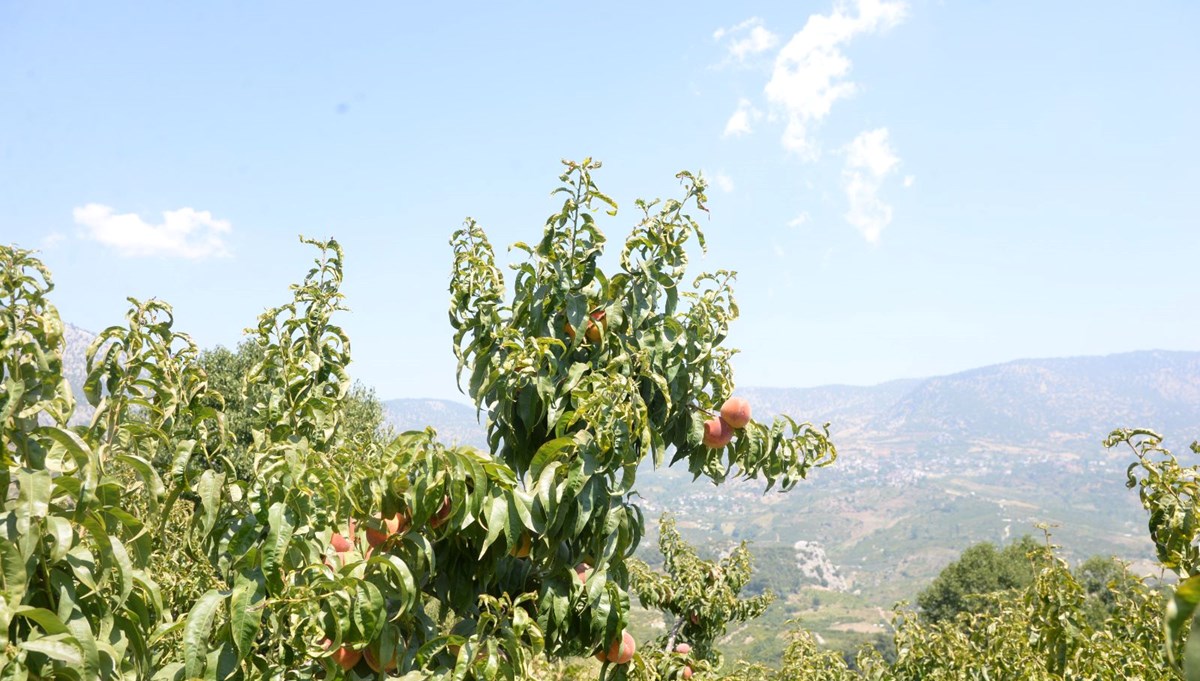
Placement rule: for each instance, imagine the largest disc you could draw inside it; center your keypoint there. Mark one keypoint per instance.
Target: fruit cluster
(379, 531)
(735, 414)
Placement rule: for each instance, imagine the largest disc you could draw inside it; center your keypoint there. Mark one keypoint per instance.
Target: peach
(736, 412)
(619, 651)
(717, 433)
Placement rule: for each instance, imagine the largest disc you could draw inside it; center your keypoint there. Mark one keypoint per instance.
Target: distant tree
(981, 569)
(1041, 631)
(227, 371)
(229, 375)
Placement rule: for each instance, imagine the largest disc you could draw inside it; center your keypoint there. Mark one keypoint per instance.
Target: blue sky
(905, 188)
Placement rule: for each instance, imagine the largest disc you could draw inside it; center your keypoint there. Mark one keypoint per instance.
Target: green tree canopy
(981, 569)
(228, 372)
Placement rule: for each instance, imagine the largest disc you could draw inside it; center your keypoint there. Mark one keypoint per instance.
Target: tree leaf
(62, 647)
(33, 500)
(46, 619)
(246, 610)
(62, 537)
(279, 535)
(197, 630)
(124, 569)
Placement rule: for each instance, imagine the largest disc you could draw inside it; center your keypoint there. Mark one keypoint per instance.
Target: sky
(905, 189)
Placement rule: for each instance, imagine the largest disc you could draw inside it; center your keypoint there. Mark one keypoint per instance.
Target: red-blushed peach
(717, 433)
(736, 412)
(344, 657)
(619, 651)
(391, 526)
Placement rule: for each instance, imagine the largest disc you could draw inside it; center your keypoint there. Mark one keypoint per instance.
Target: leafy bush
(700, 598)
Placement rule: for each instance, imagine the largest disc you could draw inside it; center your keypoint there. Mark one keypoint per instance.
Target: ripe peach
(594, 327)
(683, 649)
(340, 543)
(598, 319)
(582, 572)
(687, 672)
(344, 657)
(620, 651)
(372, 655)
(736, 412)
(717, 433)
(393, 525)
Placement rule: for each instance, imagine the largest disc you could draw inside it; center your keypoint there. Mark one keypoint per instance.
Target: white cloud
(723, 182)
(810, 71)
(872, 152)
(740, 123)
(909, 180)
(758, 41)
(52, 240)
(869, 161)
(183, 233)
(798, 221)
(747, 38)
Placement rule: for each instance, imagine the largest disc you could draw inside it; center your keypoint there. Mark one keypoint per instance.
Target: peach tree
(583, 375)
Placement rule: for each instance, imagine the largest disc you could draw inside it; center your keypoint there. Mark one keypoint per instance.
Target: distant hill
(75, 368)
(1075, 400)
(455, 422)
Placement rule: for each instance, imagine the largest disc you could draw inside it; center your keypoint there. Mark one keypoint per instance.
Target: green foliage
(228, 370)
(257, 532)
(79, 599)
(1043, 631)
(1103, 579)
(1042, 634)
(981, 570)
(656, 371)
(1170, 493)
(802, 659)
(699, 598)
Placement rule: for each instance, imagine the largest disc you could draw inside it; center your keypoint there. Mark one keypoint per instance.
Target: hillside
(456, 423)
(1077, 400)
